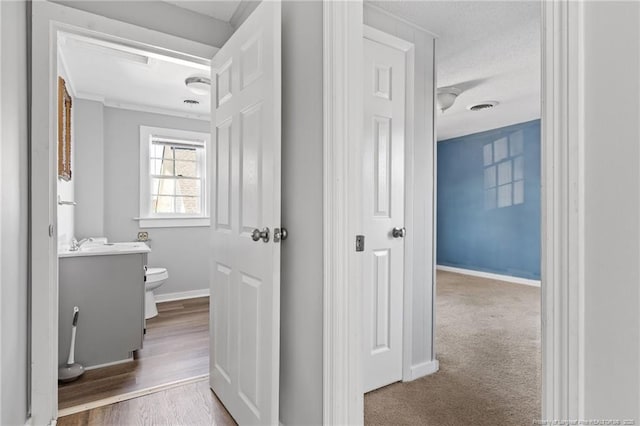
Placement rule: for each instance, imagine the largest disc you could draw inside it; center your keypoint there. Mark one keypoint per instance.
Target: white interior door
(245, 196)
(383, 207)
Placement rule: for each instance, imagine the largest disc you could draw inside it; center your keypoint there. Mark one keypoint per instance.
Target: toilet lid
(154, 271)
(156, 274)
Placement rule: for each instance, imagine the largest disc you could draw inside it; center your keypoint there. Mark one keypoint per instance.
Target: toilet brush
(72, 370)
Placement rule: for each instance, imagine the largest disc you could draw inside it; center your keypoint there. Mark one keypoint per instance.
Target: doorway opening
(486, 324)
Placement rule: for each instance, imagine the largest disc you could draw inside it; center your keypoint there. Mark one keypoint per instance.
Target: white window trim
(147, 220)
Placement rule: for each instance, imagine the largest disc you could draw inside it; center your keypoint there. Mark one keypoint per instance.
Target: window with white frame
(173, 177)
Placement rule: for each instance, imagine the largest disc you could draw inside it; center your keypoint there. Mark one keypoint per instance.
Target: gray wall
(420, 163)
(302, 258)
(159, 16)
(183, 251)
(612, 210)
(13, 214)
(89, 171)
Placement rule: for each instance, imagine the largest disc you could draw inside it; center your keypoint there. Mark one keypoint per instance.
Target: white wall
(88, 171)
(159, 16)
(183, 251)
(422, 165)
(612, 206)
(66, 189)
(13, 214)
(302, 253)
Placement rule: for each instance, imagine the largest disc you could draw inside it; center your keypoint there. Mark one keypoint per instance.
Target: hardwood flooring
(176, 348)
(192, 404)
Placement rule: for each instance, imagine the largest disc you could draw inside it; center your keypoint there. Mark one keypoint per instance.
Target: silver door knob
(280, 234)
(258, 235)
(398, 232)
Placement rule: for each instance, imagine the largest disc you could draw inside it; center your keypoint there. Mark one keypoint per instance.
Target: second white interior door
(383, 210)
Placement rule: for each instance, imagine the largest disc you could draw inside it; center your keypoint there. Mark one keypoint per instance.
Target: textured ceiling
(490, 50)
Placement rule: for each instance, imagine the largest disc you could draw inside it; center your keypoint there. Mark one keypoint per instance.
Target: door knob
(280, 234)
(258, 235)
(398, 232)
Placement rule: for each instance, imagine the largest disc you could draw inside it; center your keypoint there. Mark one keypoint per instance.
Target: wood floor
(192, 404)
(176, 348)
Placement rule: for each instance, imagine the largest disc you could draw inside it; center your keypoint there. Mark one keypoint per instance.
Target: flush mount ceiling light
(482, 106)
(446, 97)
(198, 84)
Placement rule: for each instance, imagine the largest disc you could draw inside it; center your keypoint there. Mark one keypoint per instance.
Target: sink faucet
(75, 244)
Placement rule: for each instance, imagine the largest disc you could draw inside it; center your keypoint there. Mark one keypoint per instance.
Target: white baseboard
(423, 369)
(507, 278)
(109, 364)
(182, 295)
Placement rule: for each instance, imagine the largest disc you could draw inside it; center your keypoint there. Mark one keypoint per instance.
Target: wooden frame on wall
(64, 131)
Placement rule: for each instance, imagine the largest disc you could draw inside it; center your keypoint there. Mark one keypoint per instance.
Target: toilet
(155, 277)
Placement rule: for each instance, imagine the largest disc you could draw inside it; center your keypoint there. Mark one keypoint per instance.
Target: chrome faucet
(75, 244)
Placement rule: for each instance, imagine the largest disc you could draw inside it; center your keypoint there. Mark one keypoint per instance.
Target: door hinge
(359, 242)
(51, 229)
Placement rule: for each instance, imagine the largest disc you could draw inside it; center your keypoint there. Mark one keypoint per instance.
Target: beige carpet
(488, 345)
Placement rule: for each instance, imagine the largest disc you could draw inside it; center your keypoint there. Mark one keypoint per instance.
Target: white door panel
(383, 209)
(245, 195)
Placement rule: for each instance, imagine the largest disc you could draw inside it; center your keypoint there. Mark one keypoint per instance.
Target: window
(173, 178)
(504, 171)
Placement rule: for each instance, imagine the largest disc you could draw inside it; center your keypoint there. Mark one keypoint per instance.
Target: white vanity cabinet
(109, 290)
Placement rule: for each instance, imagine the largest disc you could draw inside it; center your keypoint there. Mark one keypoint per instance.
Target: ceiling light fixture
(198, 84)
(446, 97)
(482, 106)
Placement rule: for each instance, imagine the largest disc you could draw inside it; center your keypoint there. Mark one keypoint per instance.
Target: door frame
(47, 19)
(562, 293)
(408, 50)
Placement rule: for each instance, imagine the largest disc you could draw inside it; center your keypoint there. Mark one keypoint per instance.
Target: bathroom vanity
(106, 281)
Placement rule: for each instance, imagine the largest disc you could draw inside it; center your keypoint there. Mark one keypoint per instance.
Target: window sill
(172, 222)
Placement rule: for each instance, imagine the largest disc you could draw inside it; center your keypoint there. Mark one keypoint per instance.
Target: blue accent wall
(488, 215)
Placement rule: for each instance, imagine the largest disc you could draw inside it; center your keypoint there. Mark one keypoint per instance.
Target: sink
(101, 248)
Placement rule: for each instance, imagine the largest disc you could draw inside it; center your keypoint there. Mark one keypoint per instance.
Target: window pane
(185, 154)
(188, 205)
(490, 199)
(162, 204)
(161, 167)
(156, 151)
(187, 169)
(188, 187)
(162, 186)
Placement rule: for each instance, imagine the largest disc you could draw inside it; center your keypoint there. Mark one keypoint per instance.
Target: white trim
(563, 378)
(404, 21)
(48, 19)
(147, 108)
(109, 364)
(130, 395)
(408, 49)
(173, 222)
(489, 275)
(423, 369)
(147, 219)
(343, 399)
(181, 295)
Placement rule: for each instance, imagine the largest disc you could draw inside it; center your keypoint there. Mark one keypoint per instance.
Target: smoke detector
(482, 106)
